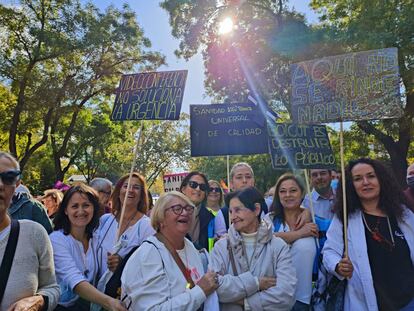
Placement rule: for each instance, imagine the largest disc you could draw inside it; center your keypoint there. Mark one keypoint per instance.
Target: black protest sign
(227, 129)
(294, 146)
(349, 87)
(150, 96)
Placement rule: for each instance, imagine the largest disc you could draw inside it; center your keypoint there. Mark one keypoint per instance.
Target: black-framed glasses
(195, 185)
(178, 209)
(214, 189)
(108, 193)
(10, 178)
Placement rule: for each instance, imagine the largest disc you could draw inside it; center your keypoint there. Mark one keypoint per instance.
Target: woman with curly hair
(380, 262)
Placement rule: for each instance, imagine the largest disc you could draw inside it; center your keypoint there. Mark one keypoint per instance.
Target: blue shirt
(323, 207)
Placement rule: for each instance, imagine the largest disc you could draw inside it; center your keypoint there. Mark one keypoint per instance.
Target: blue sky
(154, 21)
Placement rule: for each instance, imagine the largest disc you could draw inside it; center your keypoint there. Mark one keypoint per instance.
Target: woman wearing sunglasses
(75, 249)
(31, 282)
(205, 226)
(135, 227)
(380, 262)
(166, 272)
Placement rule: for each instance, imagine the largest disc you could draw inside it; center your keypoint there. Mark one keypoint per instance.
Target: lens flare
(226, 26)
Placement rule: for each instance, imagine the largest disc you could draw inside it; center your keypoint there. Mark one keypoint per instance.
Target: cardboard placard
(348, 87)
(172, 182)
(150, 96)
(227, 129)
(300, 146)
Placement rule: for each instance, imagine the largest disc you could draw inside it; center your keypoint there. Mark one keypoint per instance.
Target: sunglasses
(10, 178)
(195, 185)
(214, 189)
(178, 209)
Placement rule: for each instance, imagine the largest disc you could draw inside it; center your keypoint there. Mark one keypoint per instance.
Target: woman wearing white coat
(380, 265)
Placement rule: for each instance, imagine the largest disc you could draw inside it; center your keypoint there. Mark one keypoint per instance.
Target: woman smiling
(74, 251)
(135, 226)
(255, 268)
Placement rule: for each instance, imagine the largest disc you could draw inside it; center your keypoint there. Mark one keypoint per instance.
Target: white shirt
(303, 252)
(106, 238)
(72, 264)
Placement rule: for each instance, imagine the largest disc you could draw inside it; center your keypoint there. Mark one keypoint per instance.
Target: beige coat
(271, 257)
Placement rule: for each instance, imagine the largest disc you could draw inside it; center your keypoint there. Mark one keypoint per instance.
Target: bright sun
(225, 26)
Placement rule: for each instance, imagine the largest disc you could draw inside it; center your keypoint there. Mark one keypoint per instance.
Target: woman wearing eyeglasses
(74, 251)
(380, 262)
(135, 227)
(30, 283)
(205, 227)
(51, 200)
(166, 272)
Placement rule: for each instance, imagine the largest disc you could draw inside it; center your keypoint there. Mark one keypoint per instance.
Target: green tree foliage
(256, 55)
(268, 38)
(364, 25)
(216, 168)
(56, 56)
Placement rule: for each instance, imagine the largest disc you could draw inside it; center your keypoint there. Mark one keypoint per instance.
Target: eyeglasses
(214, 189)
(178, 209)
(195, 185)
(108, 193)
(135, 187)
(10, 178)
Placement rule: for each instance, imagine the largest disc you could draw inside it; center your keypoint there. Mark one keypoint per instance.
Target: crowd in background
(107, 247)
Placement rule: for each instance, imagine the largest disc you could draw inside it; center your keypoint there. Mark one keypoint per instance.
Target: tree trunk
(397, 150)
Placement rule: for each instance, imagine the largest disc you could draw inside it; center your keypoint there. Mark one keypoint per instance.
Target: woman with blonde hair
(166, 272)
(51, 200)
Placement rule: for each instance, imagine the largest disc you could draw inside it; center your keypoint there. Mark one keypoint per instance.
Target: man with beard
(322, 194)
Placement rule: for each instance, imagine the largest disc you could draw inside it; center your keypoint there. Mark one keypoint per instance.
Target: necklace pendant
(376, 236)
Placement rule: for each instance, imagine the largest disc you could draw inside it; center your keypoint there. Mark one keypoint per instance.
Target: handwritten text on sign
(300, 146)
(150, 96)
(355, 86)
(227, 129)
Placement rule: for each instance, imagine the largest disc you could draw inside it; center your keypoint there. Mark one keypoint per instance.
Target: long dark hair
(277, 208)
(391, 196)
(187, 179)
(61, 220)
(143, 203)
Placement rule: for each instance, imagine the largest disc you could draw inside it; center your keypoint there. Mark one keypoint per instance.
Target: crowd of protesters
(104, 247)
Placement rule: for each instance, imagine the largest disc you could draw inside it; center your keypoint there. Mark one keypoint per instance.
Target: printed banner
(150, 96)
(172, 182)
(227, 129)
(294, 146)
(348, 87)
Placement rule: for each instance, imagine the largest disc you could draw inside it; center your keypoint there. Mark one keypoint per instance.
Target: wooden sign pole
(137, 137)
(345, 213)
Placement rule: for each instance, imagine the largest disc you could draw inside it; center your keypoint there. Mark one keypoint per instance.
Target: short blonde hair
(158, 212)
(55, 194)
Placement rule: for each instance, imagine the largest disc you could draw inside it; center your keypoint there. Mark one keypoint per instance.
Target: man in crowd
(24, 207)
(104, 188)
(322, 195)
